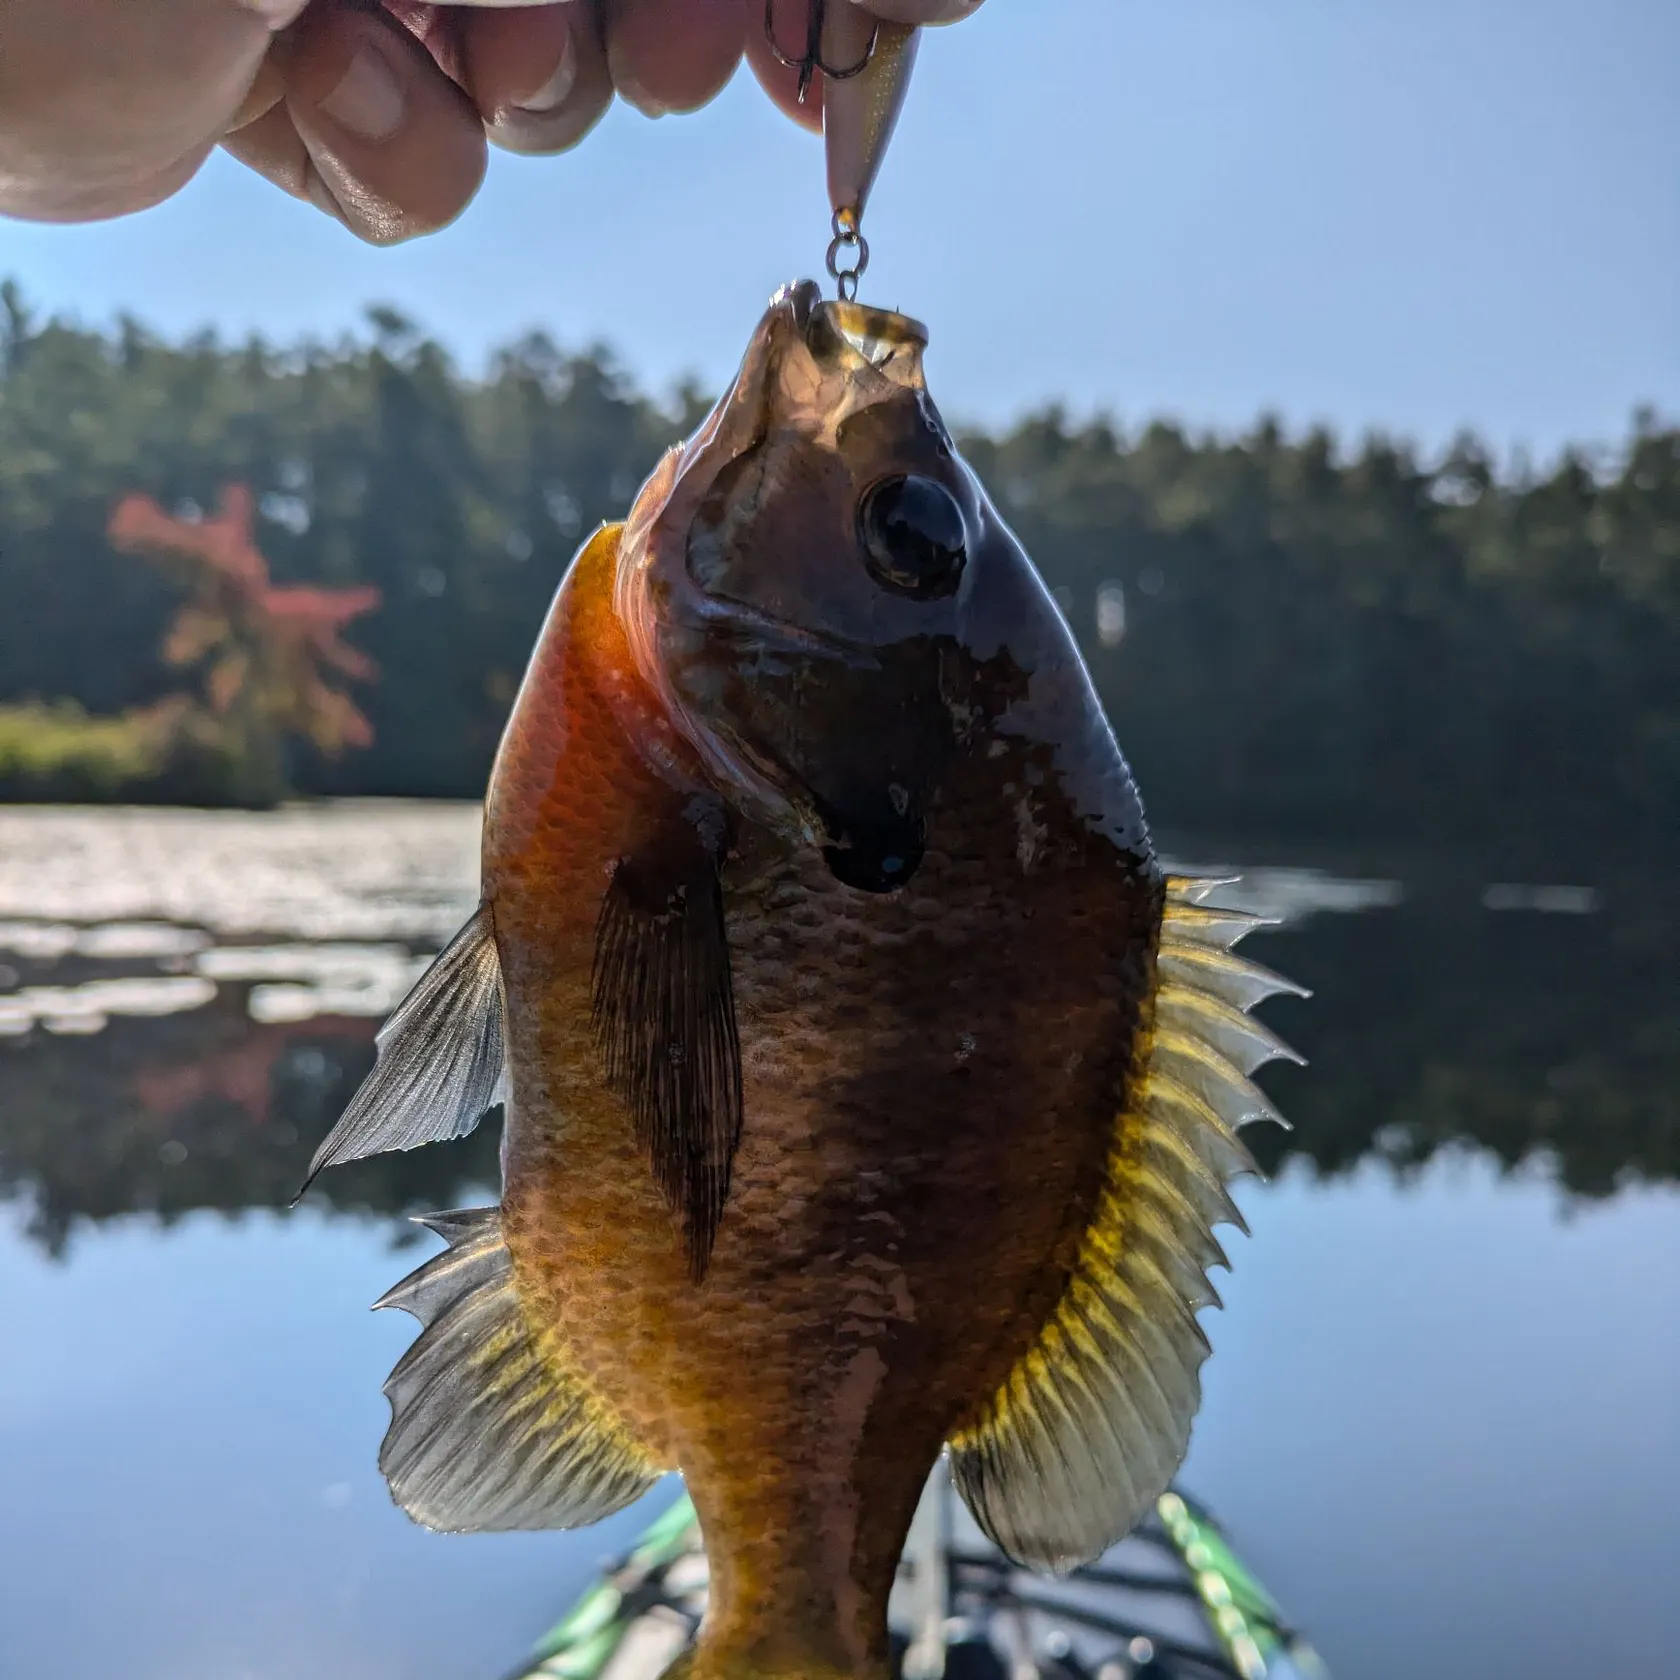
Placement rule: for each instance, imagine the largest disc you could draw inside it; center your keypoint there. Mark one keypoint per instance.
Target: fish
(870, 1090)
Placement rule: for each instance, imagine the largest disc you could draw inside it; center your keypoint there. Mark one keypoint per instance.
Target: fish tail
(722, 1660)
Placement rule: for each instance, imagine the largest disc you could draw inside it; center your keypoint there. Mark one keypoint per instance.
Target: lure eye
(913, 539)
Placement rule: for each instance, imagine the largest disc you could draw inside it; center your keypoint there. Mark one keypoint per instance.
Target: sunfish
(870, 1090)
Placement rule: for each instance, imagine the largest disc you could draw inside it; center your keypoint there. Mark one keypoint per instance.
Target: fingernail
(633, 93)
(368, 101)
(275, 13)
(558, 85)
(644, 102)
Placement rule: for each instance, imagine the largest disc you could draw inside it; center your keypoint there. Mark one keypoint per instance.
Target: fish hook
(812, 62)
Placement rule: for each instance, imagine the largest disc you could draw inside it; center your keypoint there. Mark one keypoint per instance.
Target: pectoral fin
(1091, 1425)
(664, 1011)
(441, 1058)
(490, 1429)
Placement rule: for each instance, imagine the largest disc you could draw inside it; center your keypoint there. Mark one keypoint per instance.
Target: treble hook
(812, 62)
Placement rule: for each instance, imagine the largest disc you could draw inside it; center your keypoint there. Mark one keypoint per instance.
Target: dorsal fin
(442, 1060)
(490, 1429)
(1091, 1425)
(664, 1013)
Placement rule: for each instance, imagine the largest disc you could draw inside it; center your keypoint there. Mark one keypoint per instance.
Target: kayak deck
(1172, 1601)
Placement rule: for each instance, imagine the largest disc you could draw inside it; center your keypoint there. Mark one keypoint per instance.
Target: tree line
(1298, 641)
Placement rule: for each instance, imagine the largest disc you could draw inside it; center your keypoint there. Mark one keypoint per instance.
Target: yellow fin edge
(1090, 1426)
(491, 1426)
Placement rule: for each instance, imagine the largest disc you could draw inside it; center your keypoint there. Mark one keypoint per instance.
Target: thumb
(110, 106)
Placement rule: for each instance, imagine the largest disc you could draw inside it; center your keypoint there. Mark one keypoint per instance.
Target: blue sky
(1413, 216)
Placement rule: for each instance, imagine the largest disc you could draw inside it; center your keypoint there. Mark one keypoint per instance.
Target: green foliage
(172, 753)
(57, 753)
(1318, 644)
(1366, 649)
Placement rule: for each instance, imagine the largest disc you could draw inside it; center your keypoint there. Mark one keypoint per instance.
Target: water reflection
(1415, 1386)
(1532, 1022)
(211, 1108)
(157, 1065)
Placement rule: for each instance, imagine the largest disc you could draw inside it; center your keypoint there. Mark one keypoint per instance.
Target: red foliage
(246, 625)
(240, 1072)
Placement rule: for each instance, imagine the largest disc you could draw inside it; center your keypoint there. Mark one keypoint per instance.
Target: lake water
(1442, 1416)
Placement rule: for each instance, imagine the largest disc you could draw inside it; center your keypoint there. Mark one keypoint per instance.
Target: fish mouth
(739, 423)
(810, 364)
(880, 336)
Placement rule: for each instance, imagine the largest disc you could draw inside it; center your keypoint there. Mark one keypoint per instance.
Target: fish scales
(821, 927)
(877, 1172)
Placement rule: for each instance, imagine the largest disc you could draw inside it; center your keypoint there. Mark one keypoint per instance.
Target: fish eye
(913, 538)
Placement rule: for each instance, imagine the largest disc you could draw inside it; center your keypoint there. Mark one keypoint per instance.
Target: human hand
(376, 111)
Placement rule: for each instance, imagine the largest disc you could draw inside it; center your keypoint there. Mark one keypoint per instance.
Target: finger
(920, 11)
(538, 74)
(776, 78)
(673, 55)
(270, 144)
(109, 109)
(437, 28)
(395, 147)
(267, 89)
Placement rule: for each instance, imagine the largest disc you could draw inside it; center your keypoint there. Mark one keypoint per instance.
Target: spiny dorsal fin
(1093, 1422)
(489, 1430)
(442, 1061)
(664, 1011)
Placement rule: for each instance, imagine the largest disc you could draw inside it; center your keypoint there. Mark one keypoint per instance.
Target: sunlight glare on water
(358, 869)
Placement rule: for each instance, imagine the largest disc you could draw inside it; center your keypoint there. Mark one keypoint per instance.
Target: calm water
(1443, 1412)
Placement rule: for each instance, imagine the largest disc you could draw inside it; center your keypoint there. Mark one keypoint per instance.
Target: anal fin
(442, 1059)
(1093, 1422)
(489, 1429)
